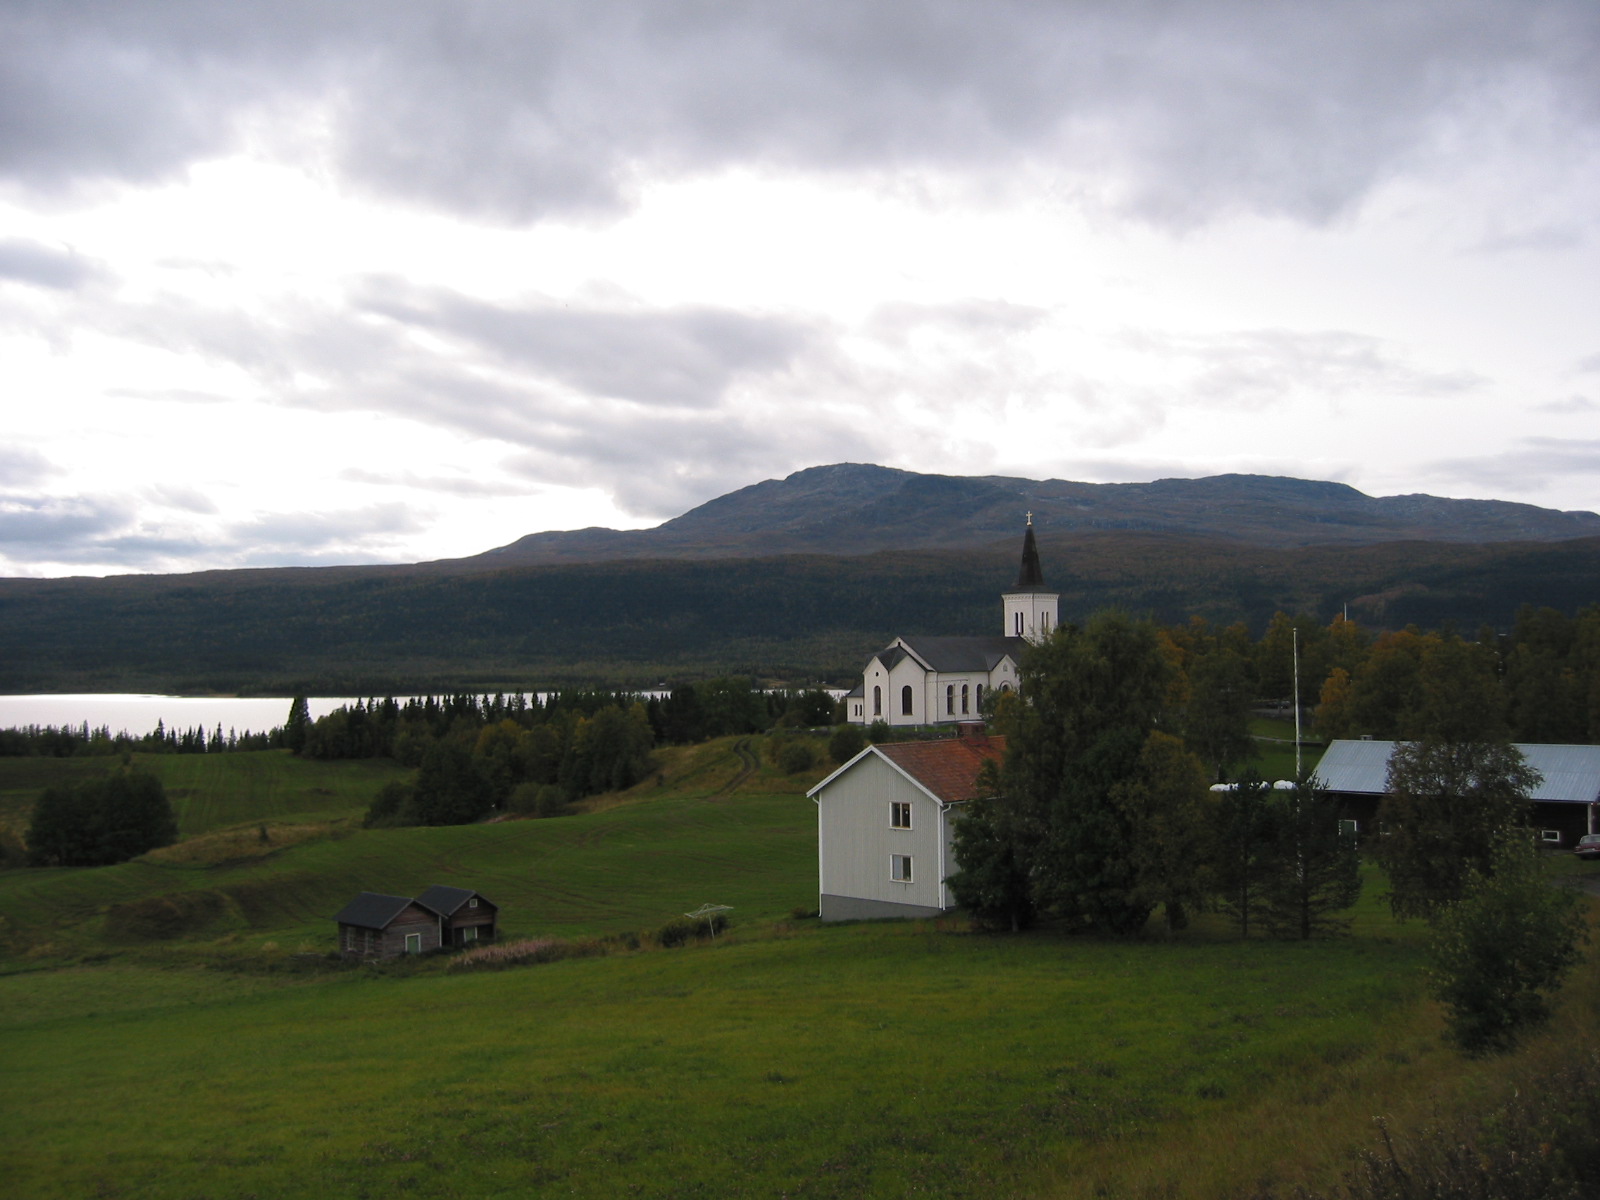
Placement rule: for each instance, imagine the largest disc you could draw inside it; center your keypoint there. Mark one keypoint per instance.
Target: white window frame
(417, 942)
(900, 868)
(1550, 835)
(898, 809)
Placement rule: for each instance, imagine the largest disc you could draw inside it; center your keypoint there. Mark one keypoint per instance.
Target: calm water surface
(137, 715)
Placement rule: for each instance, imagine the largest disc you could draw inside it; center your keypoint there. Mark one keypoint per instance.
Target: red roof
(947, 768)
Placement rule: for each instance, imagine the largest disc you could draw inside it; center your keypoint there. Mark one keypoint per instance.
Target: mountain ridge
(862, 508)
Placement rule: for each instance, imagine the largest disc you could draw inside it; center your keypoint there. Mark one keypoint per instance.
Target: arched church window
(1016, 621)
(1005, 687)
(977, 697)
(950, 699)
(905, 701)
(964, 708)
(877, 701)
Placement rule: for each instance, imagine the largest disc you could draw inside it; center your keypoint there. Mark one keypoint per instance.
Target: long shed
(1565, 804)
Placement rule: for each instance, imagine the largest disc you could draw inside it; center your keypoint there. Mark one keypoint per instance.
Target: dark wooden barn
(465, 916)
(377, 926)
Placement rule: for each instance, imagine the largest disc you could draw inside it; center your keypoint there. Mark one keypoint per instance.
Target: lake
(138, 715)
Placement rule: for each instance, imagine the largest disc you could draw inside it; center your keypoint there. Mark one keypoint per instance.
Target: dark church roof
(949, 654)
(1030, 576)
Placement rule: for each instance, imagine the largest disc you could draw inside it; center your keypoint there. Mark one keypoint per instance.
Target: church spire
(1030, 575)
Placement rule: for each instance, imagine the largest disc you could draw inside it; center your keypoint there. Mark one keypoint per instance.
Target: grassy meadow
(173, 1026)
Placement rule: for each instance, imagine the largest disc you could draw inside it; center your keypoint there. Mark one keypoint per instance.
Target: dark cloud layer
(1177, 110)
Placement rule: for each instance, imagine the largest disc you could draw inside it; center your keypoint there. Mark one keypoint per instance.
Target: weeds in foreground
(1541, 1144)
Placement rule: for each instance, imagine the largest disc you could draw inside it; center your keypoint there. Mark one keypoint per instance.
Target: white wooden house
(886, 824)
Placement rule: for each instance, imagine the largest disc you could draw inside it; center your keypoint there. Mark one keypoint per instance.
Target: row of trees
(80, 741)
(1100, 811)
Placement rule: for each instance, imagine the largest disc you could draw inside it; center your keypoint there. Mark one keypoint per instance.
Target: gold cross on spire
(1030, 516)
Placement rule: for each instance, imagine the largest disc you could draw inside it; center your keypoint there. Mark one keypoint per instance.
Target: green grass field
(787, 1058)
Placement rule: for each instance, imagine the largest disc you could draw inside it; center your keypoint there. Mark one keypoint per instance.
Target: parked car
(1588, 846)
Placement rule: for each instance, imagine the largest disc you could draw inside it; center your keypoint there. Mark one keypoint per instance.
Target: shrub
(1500, 950)
(795, 757)
(525, 953)
(847, 742)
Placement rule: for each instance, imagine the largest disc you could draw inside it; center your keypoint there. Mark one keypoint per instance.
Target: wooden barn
(377, 926)
(465, 916)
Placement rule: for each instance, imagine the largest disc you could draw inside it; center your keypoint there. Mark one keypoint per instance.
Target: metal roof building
(1568, 774)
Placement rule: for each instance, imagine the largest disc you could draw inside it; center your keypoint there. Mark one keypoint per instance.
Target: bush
(1501, 949)
(682, 930)
(796, 757)
(878, 732)
(847, 742)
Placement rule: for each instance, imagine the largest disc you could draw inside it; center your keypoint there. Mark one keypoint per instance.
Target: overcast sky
(311, 282)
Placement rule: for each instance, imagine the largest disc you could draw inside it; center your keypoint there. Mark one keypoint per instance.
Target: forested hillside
(795, 618)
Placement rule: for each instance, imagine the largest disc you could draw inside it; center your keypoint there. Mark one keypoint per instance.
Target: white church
(943, 680)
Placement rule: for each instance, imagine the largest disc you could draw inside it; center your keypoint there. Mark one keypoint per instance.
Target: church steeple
(1030, 576)
(1030, 610)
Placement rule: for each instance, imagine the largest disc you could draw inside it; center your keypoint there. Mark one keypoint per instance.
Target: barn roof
(946, 769)
(1569, 774)
(445, 900)
(374, 910)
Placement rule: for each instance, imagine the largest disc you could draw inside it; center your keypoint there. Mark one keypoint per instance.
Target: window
(950, 699)
(469, 934)
(473, 903)
(1550, 835)
(964, 708)
(413, 943)
(977, 697)
(877, 701)
(900, 868)
(1044, 622)
(905, 701)
(1016, 621)
(1349, 828)
(900, 814)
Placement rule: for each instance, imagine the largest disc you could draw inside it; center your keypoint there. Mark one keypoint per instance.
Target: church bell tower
(1031, 610)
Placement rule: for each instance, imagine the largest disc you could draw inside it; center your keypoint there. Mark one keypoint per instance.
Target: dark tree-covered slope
(783, 617)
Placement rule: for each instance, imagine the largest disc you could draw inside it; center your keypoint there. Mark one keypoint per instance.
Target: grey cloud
(19, 465)
(185, 499)
(1253, 368)
(1528, 463)
(298, 532)
(660, 465)
(39, 521)
(1589, 365)
(44, 266)
(685, 357)
(1571, 405)
(1179, 111)
(1543, 239)
(448, 484)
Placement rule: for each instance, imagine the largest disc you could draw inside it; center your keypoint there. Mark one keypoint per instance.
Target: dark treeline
(77, 741)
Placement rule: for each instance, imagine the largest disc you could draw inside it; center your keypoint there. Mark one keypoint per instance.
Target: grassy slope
(211, 791)
(786, 1059)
